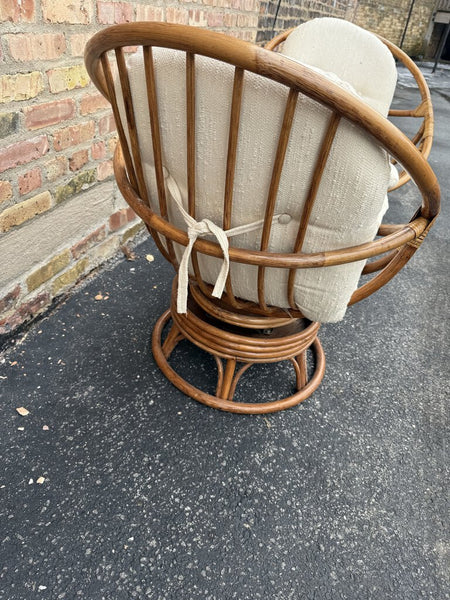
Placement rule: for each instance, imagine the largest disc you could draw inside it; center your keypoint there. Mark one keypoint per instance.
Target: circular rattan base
(235, 346)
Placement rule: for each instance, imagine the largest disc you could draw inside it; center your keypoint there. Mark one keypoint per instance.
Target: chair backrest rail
(120, 129)
(155, 127)
(233, 132)
(168, 250)
(319, 169)
(190, 130)
(232, 145)
(283, 140)
(131, 122)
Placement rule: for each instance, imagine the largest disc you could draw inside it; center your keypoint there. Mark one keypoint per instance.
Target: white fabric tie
(201, 228)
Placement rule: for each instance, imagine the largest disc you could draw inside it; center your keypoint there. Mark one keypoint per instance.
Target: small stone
(150, 257)
(98, 297)
(21, 429)
(30, 481)
(22, 411)
(45, 427)
(40, 480)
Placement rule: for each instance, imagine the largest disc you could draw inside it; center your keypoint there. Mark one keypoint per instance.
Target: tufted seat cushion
(351, 199)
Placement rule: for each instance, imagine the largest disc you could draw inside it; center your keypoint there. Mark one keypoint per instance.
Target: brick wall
(60, 212)
(293, 12)
(388, 19)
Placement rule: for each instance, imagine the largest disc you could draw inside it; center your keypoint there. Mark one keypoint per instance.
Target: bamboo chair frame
(232, 329)
(423, 138)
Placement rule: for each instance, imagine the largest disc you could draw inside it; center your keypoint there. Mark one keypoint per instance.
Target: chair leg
(224, 386)
(301, 370)
(172, 339)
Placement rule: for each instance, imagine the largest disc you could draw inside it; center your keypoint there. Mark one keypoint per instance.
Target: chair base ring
(229, 375)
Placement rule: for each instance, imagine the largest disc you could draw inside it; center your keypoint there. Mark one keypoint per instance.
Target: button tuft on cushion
(284, 219)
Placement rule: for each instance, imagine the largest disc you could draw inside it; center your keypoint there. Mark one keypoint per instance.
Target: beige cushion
(353, 54)
(351, 197)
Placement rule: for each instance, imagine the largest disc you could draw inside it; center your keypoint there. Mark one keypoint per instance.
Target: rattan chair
(240, 331)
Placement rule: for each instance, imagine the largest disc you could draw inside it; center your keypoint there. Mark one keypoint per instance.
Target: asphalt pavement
(117, 486)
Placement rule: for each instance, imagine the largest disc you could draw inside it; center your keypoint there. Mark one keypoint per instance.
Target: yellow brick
(69, 276)
(40, 276)
(132, 231)
(112, 143)
(6, 191)
(21, 86)
(67, 78)
(19, 213)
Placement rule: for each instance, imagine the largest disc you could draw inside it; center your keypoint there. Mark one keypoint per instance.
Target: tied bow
(196, 229)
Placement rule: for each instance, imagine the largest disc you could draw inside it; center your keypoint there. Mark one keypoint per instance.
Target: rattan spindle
(311, 197)
(131, 123)
(283, 139)
(120, 128)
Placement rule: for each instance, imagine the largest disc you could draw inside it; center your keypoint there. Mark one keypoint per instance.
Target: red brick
(74, 135)
(6, 191)
(17, 10)
(104, 170)
(78, 42)
(23, 152)
(106, 125)
(114, 12)
(29, 46)
(93, 238)
(30, 181)
(50, 113)
(77, 160)
(60, 11)
(118, 219)
(149, 13)
(198, 17)
(131, 215)
(35, 305)
(177, 15)
(7, 301)
(215, 19)
(93, 103)
(98, 150)
(26, 311)
(229, 20)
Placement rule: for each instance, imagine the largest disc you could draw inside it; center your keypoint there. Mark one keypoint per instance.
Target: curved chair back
(217, 135)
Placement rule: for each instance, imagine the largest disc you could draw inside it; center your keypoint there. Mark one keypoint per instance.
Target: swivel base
(235, 349)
